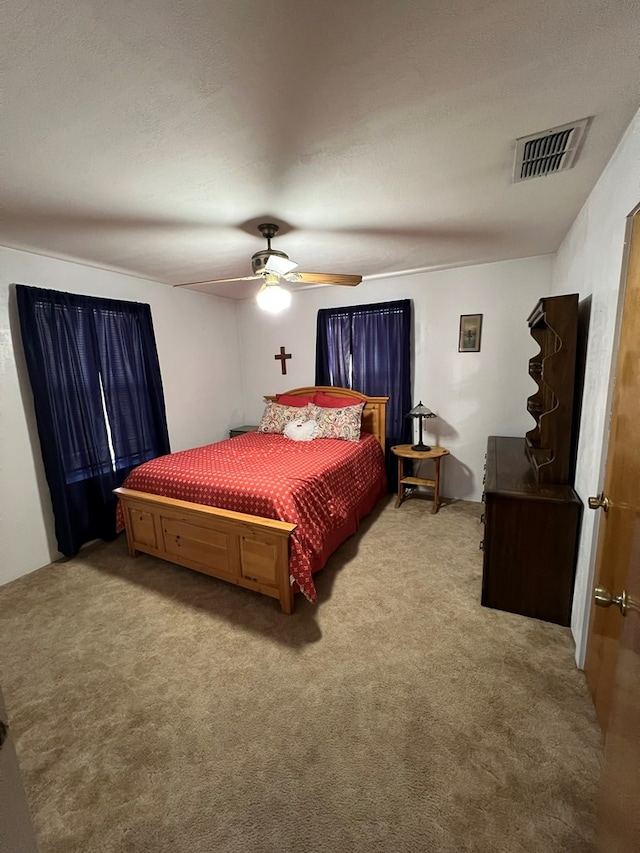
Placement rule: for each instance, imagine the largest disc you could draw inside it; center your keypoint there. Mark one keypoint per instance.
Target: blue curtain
(98, 399)
(334, 346)
(368, 348)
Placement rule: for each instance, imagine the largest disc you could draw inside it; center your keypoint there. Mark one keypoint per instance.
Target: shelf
(553, 324)
(539, 456)
(537, 316)
(418, 481)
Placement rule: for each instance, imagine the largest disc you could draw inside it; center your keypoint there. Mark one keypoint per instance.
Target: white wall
(197, 338)
(589, 262)
(474, 394)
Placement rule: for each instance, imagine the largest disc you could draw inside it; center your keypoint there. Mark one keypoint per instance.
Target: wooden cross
(282, 358)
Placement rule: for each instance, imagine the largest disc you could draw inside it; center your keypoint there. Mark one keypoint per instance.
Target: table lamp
(420, 412)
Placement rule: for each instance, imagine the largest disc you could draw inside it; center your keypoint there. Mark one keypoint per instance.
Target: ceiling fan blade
(278, 265)
(326, 278)
(218, 280)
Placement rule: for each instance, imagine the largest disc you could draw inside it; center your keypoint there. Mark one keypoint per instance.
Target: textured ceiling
(153, 136)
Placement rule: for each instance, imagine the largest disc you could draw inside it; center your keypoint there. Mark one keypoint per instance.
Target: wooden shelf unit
(532, 514)
(554, 326)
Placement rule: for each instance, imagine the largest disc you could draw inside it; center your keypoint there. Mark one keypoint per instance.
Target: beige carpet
(158, 710)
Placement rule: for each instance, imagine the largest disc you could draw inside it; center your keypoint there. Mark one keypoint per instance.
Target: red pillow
(326, 401)
(293, 400)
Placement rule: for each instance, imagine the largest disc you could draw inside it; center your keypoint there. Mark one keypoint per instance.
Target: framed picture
(470, 332)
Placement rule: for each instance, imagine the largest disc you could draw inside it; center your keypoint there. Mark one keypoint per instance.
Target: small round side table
(405, 451)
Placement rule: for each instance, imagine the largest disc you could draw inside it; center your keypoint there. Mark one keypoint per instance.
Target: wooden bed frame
(248, 550)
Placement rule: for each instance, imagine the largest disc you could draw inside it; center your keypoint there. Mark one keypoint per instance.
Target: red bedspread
(324, 486)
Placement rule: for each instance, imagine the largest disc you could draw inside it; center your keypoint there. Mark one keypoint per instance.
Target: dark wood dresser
(532, 514)
(530, 536)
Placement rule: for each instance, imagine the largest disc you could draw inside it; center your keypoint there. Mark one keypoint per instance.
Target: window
(97, 392)
(368, 348)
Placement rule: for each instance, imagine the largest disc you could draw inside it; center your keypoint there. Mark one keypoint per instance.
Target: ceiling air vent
(551, 151)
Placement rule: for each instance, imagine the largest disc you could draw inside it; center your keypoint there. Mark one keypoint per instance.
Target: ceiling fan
(273, 266)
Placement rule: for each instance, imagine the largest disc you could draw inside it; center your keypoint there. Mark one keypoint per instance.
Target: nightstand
(405, 451)
(241, 430)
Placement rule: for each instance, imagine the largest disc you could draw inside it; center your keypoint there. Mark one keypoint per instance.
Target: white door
(613, 654)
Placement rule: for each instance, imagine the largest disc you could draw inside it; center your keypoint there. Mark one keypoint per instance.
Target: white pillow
(301, 430)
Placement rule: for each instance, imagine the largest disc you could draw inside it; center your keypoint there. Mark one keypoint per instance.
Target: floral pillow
(275, 417)
(338, 423)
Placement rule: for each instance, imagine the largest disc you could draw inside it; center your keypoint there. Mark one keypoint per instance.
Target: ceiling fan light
(273, 298)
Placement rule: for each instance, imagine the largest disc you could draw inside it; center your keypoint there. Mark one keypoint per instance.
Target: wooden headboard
(374, 414)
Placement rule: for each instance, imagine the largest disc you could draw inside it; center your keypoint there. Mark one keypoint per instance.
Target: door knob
(624, 601)
(600, 501)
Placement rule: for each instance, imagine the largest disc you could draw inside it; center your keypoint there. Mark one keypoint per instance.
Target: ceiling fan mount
(259, 259)
(268, 230)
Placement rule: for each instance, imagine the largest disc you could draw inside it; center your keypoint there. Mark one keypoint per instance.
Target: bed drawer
(142, 526)
(208, 550)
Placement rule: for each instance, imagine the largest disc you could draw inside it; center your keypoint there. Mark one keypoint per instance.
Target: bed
(259, 510)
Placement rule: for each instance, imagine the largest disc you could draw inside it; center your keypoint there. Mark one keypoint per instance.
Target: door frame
(594, 638)
(582, 640)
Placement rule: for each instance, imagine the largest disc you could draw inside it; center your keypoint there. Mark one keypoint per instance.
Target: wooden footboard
(247, 550)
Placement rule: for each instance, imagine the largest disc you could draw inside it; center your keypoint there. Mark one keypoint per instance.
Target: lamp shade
(420, 411)
(273, 298)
